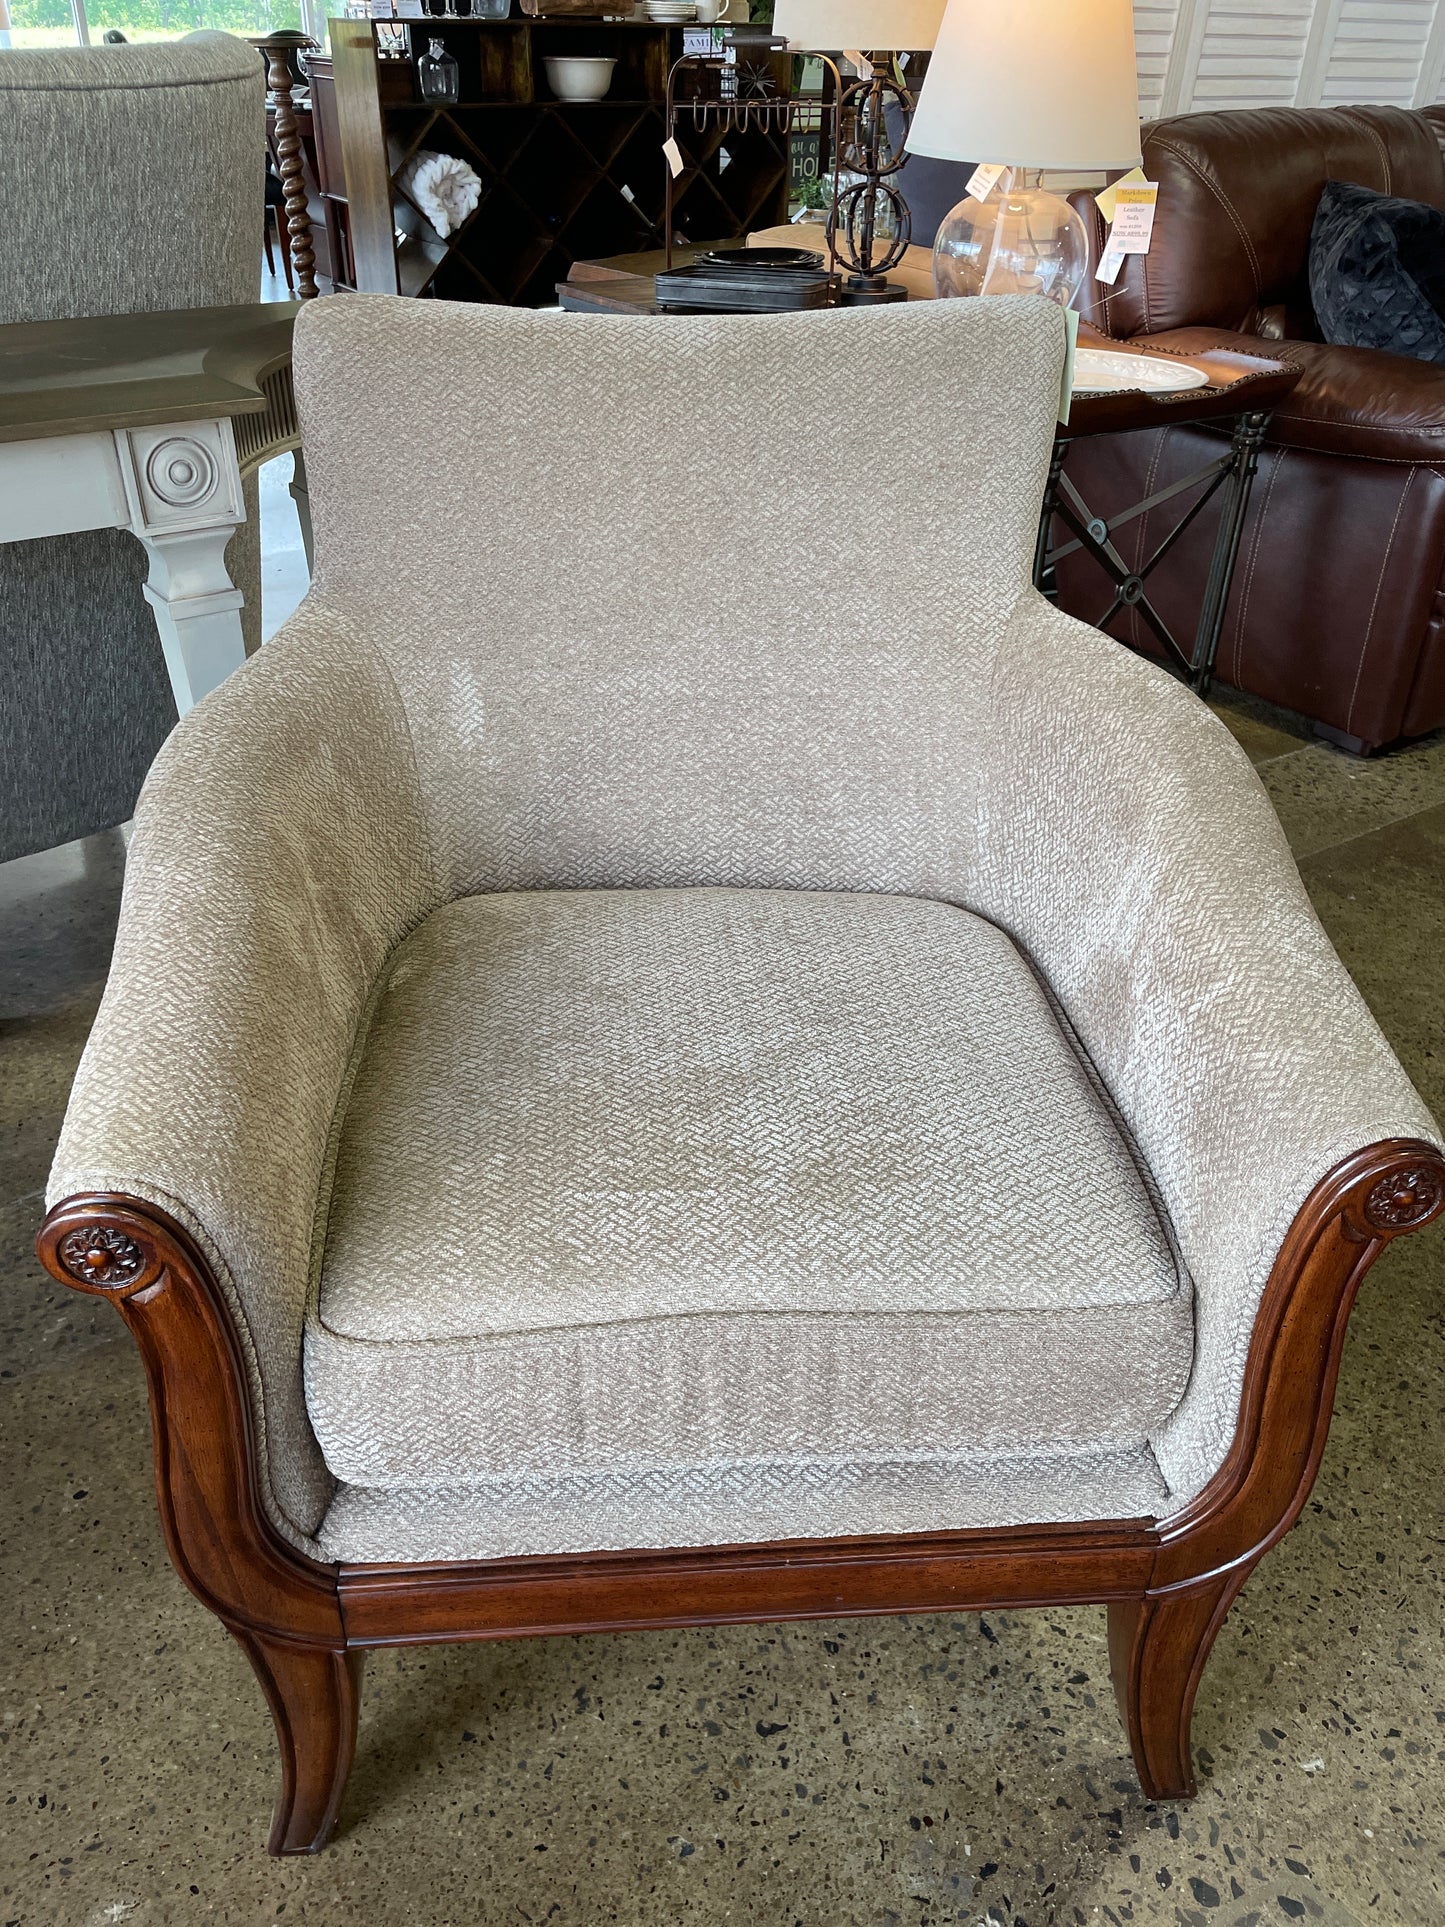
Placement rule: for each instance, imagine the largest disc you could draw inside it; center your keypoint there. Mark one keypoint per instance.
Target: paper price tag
(861, 62)
(1134, 210)
(673, 155)
(1066, 380)
(1104, 199)
(1110, 262)
(983, 180)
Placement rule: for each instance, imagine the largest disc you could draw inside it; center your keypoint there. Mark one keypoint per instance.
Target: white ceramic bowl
(578, 76)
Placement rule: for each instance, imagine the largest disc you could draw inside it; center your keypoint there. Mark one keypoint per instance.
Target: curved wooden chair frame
(306, 1625)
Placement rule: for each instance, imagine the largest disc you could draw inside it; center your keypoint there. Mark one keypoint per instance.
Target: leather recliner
(1336, 609)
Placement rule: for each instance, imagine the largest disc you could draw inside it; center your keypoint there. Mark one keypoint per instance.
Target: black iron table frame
(1231, 474)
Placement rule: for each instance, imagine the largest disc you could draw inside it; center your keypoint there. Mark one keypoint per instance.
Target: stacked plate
(670, 13)
(748, 281)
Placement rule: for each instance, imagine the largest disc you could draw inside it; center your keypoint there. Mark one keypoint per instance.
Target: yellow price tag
(1106, 200)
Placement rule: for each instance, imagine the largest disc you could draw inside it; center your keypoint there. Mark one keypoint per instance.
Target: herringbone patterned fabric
(730, 1504)
(1172, 925)
(615, 668)
(277, 858)
(561, 638)
(664, 1177)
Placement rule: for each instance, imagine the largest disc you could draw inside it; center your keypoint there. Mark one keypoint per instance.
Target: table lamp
(869, 224)
(1028, 85)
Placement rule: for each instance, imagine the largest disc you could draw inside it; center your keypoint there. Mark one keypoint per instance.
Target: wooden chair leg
(314, 1693)
(1157, 1648)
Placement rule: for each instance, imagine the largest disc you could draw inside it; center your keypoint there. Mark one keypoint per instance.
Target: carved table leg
(183, 488)
(1157, 1649)
(315, 1695)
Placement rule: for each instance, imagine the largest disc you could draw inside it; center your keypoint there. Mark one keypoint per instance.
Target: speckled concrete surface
(913, 1771)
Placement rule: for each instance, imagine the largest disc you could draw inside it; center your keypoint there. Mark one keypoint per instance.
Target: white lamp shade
(900, 26)
(1031, 83)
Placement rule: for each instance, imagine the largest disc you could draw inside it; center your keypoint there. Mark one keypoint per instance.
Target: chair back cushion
(1237, 198)
(683, 599)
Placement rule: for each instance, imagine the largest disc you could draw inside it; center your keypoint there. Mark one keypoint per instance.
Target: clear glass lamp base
(1020, 240)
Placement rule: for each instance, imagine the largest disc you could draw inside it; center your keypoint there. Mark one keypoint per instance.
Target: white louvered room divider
(1197, 54)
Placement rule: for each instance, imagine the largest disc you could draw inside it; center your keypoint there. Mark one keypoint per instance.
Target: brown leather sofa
(1338, 605)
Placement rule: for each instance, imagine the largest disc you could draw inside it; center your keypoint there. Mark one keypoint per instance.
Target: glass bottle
(436, 74)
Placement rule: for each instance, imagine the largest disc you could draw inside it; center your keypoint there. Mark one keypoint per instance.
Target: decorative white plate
(1099, 371)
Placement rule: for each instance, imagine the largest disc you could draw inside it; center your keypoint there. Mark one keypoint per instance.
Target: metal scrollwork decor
(747, 91)
(870, 224)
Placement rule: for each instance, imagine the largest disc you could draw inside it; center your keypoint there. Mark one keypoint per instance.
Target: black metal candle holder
(857, 218)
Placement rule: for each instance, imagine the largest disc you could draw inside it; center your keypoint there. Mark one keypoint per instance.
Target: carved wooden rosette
(1168, 1583)
(287, 136)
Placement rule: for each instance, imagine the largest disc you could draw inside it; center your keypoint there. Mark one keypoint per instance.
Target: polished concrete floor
(912, 1771)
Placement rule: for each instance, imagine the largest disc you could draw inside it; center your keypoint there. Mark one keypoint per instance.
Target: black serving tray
(744, 290)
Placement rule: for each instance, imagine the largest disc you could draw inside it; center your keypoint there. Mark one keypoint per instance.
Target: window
(64, 23)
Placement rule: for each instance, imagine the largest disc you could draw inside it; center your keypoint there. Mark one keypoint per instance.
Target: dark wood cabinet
(561, 181)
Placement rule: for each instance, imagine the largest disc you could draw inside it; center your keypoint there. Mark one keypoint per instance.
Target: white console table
(149, 422)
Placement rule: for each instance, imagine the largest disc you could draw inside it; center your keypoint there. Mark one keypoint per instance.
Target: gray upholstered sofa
(141, 190)
(637, 1088)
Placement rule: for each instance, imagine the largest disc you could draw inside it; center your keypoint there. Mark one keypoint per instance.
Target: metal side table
(1244, 389)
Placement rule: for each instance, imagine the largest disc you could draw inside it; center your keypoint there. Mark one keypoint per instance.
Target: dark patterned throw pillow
(1377, 272)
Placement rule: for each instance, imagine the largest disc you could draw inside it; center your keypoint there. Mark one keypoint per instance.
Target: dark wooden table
(623, 283)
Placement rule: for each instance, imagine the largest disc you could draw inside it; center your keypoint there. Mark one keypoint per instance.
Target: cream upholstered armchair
(642, 1084)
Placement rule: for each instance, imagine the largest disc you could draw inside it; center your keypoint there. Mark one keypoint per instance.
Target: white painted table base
(177, 487)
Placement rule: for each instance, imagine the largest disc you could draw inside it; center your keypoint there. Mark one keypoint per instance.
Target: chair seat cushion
(661, 1178)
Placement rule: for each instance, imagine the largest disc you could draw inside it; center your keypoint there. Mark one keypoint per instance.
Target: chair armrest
(1346, 401)
(1126, 842)
(279, 854)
